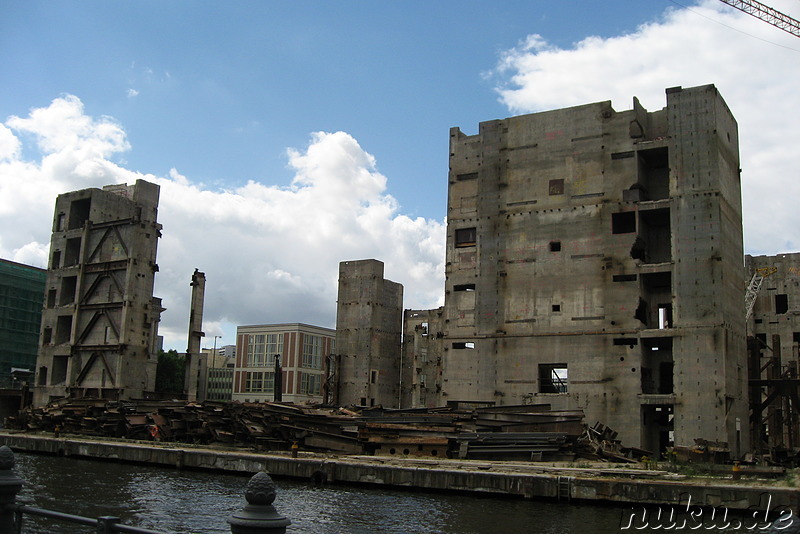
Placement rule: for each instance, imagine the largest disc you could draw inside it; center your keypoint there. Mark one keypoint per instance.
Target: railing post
(259, 516)
(10, 484)
(105, 524)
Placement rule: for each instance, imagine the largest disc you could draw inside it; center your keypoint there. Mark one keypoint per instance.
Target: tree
(170, 372)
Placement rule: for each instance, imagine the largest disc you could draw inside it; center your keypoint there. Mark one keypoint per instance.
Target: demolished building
(595, 262)
(100, 319)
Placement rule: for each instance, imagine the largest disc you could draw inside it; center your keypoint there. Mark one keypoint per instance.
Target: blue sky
(223, 88)
(289, 136)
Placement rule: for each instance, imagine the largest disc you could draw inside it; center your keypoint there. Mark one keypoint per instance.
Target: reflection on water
(199, 502)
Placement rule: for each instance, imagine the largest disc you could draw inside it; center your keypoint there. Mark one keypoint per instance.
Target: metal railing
(257, 517)
(102, 525)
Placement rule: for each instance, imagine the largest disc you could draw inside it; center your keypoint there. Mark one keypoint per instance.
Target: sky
(290, 136)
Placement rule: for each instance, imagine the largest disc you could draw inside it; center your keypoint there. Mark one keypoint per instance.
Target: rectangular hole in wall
(654, 173)
(463, 345)
(72, 252)
(464, 287)
(556, 187)
(51, 298)
(79, 213)
(59, 375)
(42, 379)
(623, 222)
(553, 378)
(63, 329)
(654, 241)
(657, 366)
(781, 303)
(664, 316)
(55, 263)
(555, 246)
(467, 176)
(630, 341)
(466, 237)
(624, 278)
(556, 307)
(69, 285)
(622, 155)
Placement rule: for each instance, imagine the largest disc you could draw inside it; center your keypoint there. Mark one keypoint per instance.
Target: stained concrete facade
(100, 320)
(775, 329)
(369, 316)
(594, 261)
(421, 381)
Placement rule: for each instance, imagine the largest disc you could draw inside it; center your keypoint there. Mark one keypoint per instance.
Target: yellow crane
(753, 287)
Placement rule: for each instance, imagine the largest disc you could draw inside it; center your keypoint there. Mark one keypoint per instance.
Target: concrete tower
(594, 261)
(99, 323)
(369, 318)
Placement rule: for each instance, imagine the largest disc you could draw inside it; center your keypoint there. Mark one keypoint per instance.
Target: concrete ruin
(369, 316)
(774, 350)
(595, 262)
(100, 319)
(194, 365)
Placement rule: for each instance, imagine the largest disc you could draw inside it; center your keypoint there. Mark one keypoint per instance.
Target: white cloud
(270, 254)
(132, 93)
(755, 66)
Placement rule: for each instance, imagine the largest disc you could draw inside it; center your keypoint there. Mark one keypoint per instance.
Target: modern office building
(302, 351)
(99, 334)
(21, 298)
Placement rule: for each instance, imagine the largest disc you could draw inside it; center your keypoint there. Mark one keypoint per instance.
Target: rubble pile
(521, 432)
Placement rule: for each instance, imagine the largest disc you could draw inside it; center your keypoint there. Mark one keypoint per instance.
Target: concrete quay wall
(530, 481)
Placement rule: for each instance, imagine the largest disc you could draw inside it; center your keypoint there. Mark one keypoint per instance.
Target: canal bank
(619, 485)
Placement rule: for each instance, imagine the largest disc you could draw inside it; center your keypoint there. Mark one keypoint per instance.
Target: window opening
(79, 213)
(553, 378)
(69, 285)
(72, 252)
(781, 303)
(466, 237)
(623, 222)
(555, 246)
(556, 187)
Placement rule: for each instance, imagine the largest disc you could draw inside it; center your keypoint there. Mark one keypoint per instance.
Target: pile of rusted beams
(529, 432)
(600, 443)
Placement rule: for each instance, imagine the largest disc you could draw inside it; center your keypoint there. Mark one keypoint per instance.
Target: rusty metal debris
(522, 432)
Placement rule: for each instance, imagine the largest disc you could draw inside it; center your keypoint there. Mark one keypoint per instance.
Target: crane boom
(767, 14)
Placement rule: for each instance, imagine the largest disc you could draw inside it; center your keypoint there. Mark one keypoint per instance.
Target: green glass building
(21, 299)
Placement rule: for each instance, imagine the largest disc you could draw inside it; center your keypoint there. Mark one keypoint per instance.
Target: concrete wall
(775, 325)
(369, 318)
(422, 357)
(604, 485)
(98, 323)
(594, 262)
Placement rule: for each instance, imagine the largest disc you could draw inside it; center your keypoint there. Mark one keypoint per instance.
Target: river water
(197, 502)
